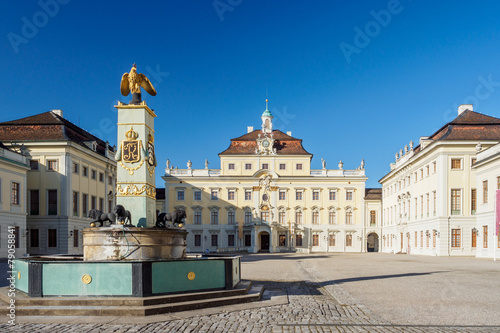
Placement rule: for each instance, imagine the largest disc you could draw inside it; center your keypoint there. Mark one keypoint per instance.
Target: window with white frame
(332, 195)
(348, 216)
(298, 217)
(315, 217)
(248, 195)
(230, 194)
(248, 216)
(348, 195)
(332, 216)
(298, 195)
(315, 195)
(197, 195)
(197, 216)
(281, 217)
(214, 216)
(282, 195)
(231, 217)
(214, 195)
(180, 195)
(456, 201)
(230, 166)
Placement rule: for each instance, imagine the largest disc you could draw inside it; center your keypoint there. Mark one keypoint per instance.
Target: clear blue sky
(405, 78)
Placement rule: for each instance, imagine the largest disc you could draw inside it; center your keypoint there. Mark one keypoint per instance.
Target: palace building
(266, 197)
(70, 172)
(438, 198)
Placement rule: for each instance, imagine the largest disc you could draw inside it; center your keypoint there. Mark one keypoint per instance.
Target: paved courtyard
(369, 292)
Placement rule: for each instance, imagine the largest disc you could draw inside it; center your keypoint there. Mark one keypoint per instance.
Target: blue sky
(212, 62)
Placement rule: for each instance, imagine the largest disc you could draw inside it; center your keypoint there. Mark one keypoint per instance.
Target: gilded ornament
(19, 275)
(191, 276)
(133, 82)
(86, 279)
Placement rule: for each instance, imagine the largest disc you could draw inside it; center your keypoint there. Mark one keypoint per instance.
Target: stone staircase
(129, 306)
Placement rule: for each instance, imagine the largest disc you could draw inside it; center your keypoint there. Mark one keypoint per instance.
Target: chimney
(289, 133)
(249, 129)
(464, 107)
(58, 112)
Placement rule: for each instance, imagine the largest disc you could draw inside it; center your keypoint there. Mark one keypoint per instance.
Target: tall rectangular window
(93, 202)
(75, 238)
(485, 191)
(52, 196)
(85, 204)
(34, 238)
(93, 174)
(474, 238)
(281, 216)
(75, 203)
(110, 180)
(416, 207)
(215, 240)
(197, 217)
(348, 240)
(16, 237)
(348, 217)
(248, 194)
(315, 218)
(473, 201)
(332, 217)
(76, 168)
(434, 200)
(52, 238)
(197, 240)
(421, 239)
(315, 240)
(373, 220)
(15, 195)
(455, 237)
(197, 195)
(331, 240)
(230, 195)
(101, 204)
(416, 239)
(264, 216)
(298, 217)
(433, 239)
(434, 166)
(456, 200)
(428, 202)
(485, 236)
(34, 202)
(85, 171)
(230, 240)
(427, 235)
(498, 183)
(214, 217)
(248, 216)
(231, 217)
(248, 240)
(298, 240)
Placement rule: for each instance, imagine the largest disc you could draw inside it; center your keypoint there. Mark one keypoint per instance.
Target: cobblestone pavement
(312, 307)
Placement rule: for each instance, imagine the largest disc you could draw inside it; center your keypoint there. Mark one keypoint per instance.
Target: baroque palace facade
(439, 197)
(265, 197)
(67, 172)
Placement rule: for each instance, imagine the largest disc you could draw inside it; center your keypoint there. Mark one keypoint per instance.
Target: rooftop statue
(132, 82)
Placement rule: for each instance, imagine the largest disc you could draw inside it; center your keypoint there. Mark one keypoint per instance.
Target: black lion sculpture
(98, 216)
(175, 217)
(122, 215)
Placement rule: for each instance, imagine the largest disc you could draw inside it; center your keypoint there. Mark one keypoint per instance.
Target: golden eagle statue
(132, 82)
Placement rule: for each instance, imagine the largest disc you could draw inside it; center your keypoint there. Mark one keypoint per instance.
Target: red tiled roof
(284, 144)
(469, 125)
(47, 126)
